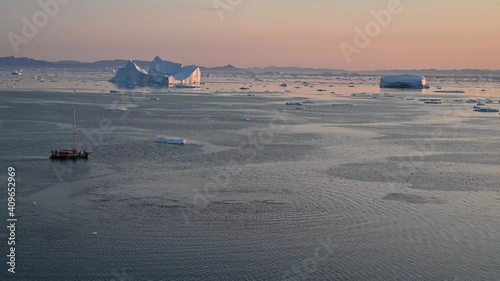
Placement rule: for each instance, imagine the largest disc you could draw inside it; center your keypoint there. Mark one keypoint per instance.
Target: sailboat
(70, 154)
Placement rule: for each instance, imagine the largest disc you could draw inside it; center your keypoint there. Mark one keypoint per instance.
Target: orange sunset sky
(445, 34)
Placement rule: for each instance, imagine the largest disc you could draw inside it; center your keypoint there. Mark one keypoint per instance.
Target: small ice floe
(112, 108)
(478, 108)
(342, 104)
(293, 103)
(163, 139)
(94, 233)
(450, 92)
(432, 101)
(115, 92)
(34, 203)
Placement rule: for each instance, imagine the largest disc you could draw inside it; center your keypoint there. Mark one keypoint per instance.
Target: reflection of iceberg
(161, 72)
(404, 82)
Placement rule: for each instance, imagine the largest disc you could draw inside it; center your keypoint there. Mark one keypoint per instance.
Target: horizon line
(269, 66)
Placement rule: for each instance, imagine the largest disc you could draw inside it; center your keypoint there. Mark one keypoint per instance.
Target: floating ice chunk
(163, 139)
(342, 104)
(112, 108)
(404, 82)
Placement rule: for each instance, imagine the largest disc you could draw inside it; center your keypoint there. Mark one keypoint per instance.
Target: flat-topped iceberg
(404, 82)
(176, 72)
(160, 72)
(163, 139)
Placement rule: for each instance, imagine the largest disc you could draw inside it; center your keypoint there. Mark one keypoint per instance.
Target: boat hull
(77, 156)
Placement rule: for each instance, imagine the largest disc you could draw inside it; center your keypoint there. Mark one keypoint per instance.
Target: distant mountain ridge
(224, 69)
(13, 62)
(19, 63)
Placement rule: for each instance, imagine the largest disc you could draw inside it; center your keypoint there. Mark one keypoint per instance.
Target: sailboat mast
(74, 129)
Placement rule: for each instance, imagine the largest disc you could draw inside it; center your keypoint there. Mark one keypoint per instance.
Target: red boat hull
(69, 155)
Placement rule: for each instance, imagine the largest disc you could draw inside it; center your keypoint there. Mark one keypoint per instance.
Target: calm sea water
(389, 189)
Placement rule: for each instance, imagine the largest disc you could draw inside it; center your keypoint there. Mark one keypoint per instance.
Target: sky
(445, 34)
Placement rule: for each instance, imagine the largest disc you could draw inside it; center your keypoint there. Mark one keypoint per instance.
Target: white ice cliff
(161, 72)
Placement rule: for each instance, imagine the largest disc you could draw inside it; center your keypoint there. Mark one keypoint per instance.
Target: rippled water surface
(389, 189)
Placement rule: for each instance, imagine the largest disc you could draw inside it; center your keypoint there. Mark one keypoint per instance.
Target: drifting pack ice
(404, 81)
(164, 73)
